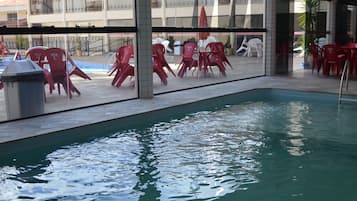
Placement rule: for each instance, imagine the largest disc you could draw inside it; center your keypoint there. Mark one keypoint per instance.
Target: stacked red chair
(218, 49)
(57, 60)
(333, 59)
(159, 70)
(38, 56)
(76, 70)
(159, 52)
(187, 62)
(124, 69)
(351, 54)
(121, 65)
(216, 57)
(316, 57)
(3, 49)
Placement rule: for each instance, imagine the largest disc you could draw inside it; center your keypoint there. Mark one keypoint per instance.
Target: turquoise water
(288, 146)
(85, 66)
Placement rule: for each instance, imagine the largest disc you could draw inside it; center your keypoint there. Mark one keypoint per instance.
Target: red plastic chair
(333, 59)
(123, 55)
(351, 54)
(317, 59)
(218, 48)
(58, 68)
(3, 50)
(158, 69)
(353, 61)
(127, 70)
(38, 55)
(159, 52)
(213, 58)
(187, 61)
(76, 70)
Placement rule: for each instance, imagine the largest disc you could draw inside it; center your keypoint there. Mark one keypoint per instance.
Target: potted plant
(308, 22)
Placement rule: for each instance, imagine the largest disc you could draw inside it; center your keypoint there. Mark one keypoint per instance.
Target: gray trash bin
(23, 89)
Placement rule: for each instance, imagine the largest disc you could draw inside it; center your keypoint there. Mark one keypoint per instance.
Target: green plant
(308, 22)
(21, 42)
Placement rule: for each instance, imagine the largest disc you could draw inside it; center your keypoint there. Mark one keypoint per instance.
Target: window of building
(12, 16)
(94, 5)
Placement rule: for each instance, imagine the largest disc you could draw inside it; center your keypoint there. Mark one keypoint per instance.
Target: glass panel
(352, 23)
(205, 65)
(220, 13)
(302, 37)
(89, 55)
(196, 62)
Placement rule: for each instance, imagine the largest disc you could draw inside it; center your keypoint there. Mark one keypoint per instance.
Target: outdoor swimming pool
(85, 66)
(257, 145)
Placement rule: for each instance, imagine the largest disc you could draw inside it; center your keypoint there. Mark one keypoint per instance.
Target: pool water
(85, 66)
(288, 147)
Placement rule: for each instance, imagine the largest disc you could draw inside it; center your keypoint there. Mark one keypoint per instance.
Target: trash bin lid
(22, 70)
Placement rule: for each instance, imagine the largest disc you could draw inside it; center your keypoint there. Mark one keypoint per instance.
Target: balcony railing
(120, 5)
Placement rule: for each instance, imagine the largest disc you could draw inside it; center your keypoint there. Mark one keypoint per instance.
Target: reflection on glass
(241, 14)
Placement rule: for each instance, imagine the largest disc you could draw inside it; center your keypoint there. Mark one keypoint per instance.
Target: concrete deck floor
(101, 91)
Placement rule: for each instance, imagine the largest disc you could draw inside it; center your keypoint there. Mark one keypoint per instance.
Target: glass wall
(89, 57)
(95, 34)
(241, 51)
(220, 13)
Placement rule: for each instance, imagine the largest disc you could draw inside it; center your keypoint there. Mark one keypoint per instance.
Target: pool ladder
(344, 81)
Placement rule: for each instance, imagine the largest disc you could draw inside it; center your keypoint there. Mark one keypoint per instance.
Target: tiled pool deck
(300, 80)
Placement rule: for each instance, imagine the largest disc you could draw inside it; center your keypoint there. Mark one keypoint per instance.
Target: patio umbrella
(202, 23)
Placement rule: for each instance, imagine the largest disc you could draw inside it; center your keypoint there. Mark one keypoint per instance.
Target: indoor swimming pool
(272, 145)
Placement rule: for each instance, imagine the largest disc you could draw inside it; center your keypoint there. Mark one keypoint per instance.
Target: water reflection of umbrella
(202, 23)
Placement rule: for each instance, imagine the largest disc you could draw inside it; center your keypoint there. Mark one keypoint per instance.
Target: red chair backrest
(216, 47)
(37, 55)
(315, 50)
(57, 60)
(189, 49)
(158, 52)
(124, 53)
(331, 51)
(159, 48)
(354, 55)
(351, 45)
(3, 49)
